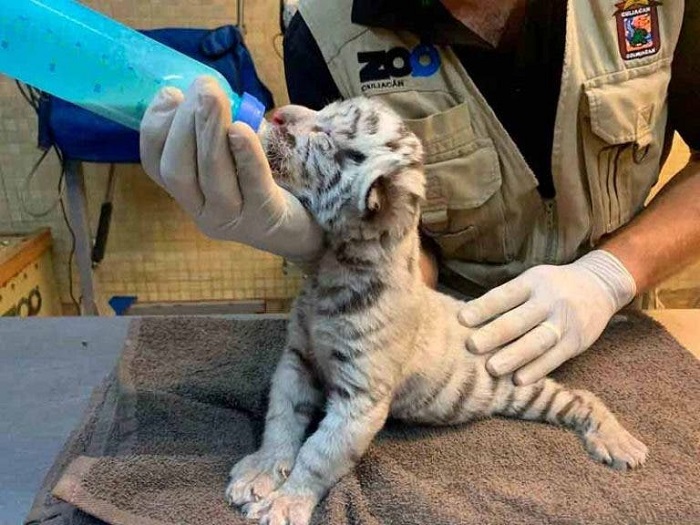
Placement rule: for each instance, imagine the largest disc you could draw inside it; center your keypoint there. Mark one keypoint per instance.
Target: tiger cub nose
(291, 114)
(278, 118)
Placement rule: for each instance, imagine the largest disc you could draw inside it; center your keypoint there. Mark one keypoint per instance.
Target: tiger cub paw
(256, 476)
(283, 507)
(613, 445)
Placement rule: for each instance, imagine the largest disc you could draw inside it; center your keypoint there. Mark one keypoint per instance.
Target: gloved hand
(547, 315)
(217, 171)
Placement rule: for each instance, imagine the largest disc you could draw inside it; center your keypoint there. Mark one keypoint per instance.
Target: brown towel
(192, 399)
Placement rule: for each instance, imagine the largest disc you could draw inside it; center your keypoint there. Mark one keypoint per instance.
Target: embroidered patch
(638, 28)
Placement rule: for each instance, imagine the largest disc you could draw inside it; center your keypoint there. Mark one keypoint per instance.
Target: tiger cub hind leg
(605, 439)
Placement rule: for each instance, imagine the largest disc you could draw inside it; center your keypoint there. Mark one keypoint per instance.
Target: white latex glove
(547, 315)
(217, 171)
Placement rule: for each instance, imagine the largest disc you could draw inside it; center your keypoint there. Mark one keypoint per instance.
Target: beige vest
(483, 207)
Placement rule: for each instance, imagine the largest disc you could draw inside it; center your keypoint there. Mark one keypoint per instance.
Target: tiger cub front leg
(331, 452)
(295, 398)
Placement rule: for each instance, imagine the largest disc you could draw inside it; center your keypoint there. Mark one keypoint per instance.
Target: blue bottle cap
(251, 111)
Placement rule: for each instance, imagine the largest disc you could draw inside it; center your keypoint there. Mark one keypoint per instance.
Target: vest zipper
(615, 203)
(552, 225)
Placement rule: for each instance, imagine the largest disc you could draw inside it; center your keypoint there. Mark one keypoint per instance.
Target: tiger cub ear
(389, 199)
(375, 198)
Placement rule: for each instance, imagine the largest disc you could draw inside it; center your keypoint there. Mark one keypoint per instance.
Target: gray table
(48, 368)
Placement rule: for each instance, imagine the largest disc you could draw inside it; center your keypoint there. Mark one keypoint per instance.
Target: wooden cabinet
(27, 284)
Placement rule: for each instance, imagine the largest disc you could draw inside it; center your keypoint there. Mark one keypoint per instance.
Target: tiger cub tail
(605, 438)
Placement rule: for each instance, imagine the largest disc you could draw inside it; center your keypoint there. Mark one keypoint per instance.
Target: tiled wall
(154, 250)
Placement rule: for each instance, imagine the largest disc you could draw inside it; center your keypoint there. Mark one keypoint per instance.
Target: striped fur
(367, 339)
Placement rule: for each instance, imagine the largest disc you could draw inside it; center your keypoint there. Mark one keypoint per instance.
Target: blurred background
(155, 255)
(154, 251)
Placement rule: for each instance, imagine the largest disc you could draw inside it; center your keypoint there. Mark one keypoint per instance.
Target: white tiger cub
(366, 338)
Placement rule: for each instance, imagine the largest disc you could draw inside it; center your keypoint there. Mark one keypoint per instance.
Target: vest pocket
(474, 210)
(623, 121)
(465, 211)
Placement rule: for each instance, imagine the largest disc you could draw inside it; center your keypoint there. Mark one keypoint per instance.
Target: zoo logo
(388, 69)
(638, 28)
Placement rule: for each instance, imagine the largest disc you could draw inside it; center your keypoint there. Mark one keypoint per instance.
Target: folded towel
(191, 397)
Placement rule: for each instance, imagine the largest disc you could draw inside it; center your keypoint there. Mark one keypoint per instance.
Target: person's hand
(547, 315)
(217, 171)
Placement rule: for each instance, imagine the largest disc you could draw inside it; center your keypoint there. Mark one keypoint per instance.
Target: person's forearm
(666, 235)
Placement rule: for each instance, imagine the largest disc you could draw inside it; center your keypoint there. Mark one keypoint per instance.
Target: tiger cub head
(354, 166)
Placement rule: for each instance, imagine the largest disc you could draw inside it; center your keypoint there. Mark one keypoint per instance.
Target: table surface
(49, 367)
(684, 325)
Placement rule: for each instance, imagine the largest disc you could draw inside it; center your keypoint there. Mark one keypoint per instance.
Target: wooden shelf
(18, 250)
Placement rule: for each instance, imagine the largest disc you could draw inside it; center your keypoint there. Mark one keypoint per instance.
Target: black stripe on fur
(356, 301)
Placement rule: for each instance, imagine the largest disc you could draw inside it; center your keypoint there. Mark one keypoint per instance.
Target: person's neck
(494, 21)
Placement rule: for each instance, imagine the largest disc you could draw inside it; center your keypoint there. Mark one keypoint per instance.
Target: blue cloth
(82, 135)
